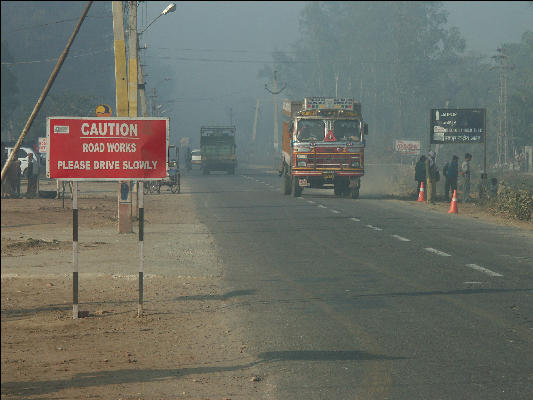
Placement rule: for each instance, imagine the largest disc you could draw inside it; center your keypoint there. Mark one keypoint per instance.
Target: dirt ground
(186, 346)
(182, 348)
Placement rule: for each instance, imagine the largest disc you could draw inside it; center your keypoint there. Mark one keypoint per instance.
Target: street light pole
(275, 93)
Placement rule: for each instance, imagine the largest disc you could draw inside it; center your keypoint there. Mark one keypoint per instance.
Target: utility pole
(502, 144)
(152, 102)
(142, 91)
(133, 90)
(337, 85)
(254, 131)
(231, 116)
(275, 93)
(121, 82)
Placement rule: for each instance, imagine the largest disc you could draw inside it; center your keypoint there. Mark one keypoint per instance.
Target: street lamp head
(170, 8)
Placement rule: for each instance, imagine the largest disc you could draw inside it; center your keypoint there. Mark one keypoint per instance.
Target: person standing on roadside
(16, 178)
(31, 174)
(465, 173)
(453, 173)
(420, 173)
(432, 177)
(446, 181)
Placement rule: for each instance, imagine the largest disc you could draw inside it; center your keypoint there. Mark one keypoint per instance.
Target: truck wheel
(296, 189)
(146, 188)
(354, 193)
(286, 184)
(174, 188)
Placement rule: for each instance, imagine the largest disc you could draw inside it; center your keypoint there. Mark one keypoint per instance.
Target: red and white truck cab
(323, 145)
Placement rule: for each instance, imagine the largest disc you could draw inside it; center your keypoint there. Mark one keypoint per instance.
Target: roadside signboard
(107, 148)
(409, 147)
(43, 145)
(457, 125)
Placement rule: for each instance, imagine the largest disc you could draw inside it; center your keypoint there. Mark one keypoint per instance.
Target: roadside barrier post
(75, 250)
(140, 193)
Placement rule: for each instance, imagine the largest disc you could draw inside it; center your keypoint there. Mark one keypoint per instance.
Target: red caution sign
(96, 149)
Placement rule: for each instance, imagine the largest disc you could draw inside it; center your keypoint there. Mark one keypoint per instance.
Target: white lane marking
(484, 270)
(374, 227)
(335, 211)
(401, 238)
(300, 198)
(355, 219)
(440, 253)
(321, 206)
(310, 201)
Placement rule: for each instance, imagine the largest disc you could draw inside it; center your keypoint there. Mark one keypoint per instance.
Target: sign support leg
(75, 251)
(140, 193)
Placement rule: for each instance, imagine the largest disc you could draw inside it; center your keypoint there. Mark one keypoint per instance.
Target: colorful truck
(217, 147)
(323, 145)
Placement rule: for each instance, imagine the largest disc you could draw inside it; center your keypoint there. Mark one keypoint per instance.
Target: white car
(196, 157)
(22, 156)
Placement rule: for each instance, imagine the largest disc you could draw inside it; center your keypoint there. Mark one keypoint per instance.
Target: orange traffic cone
(453, 205)
(421, 197)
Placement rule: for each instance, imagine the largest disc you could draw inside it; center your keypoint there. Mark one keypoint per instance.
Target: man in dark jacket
(451, 177)
(420, 173)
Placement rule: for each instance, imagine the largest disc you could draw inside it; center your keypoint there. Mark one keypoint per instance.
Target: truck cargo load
(217, 147)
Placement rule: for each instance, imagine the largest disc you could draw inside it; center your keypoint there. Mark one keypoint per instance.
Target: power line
(226, 50)
(55, 59)
(221, 60)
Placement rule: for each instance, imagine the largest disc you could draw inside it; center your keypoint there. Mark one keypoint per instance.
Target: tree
(9, 87)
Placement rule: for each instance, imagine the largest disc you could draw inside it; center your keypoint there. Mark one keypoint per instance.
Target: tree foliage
(400, 59)
(34, 34)
(9, 87)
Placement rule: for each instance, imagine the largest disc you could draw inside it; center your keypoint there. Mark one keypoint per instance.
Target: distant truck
(323, 145)
(217, 147)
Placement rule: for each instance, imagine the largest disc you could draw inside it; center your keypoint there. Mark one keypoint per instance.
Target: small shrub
(514, 202)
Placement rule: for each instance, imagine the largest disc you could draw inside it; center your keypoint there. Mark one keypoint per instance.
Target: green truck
(217, 146)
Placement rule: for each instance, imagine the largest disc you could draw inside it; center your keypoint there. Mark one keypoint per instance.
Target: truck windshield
(310, 129)
(346, 129)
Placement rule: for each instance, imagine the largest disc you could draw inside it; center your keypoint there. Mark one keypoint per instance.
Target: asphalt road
(371, 298)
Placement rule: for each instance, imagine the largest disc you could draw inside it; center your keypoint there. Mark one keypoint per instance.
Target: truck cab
(323, 145)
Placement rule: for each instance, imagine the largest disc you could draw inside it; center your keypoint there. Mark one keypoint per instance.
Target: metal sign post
(74, 250)
(141, 247)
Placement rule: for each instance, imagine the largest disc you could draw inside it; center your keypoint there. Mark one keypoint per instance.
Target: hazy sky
(212, 51)
(487, 24)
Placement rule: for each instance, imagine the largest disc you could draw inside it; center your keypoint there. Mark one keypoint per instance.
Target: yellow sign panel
(103, 110)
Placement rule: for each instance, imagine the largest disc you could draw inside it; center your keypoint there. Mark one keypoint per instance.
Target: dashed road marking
(321, 206)
(355, 219)
(335, 211)
(374, 227)
(482, 269)
(310, 201)
(435, 251)
(401, 238)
